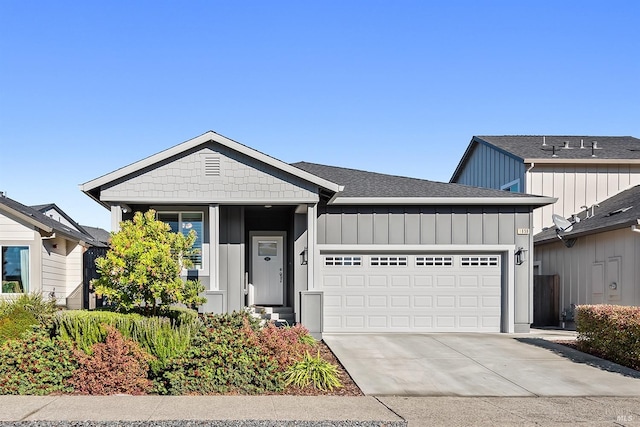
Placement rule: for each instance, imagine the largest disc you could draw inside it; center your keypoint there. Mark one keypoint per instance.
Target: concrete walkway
(304, 411)
(527, 365)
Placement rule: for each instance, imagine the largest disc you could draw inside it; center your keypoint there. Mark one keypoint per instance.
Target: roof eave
(520, 201)
(592, 231)
(28, 219)
(199, 140)
(582, 161)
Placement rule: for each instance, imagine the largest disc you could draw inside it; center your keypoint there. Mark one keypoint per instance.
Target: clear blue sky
(397, 87)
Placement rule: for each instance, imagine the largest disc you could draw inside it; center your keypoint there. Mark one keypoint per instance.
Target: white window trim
(510, 184)
(29, 286)
(204, 253)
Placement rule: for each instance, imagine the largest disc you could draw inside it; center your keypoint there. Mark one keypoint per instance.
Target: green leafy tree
(142, 267)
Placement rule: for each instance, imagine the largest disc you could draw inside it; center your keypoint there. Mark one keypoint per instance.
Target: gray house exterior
(347, 250)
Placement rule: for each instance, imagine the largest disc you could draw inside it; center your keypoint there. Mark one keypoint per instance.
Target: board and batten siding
(489, 168)
(422, 225)
(436, 225)
(576, 186)
(586, 269)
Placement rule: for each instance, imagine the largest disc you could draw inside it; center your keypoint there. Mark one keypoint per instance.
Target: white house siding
(11, 230)
(54, 268)
(208, 174)
(576, 186)
(489, 168)
(587, 269)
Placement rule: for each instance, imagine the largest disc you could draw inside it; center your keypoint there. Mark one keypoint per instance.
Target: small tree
(142, 267)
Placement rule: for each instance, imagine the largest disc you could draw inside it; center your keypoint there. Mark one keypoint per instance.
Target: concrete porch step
(281, 316)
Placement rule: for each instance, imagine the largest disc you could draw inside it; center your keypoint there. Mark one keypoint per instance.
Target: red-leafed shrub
(285, 345)
(118, 365)
(611, 331)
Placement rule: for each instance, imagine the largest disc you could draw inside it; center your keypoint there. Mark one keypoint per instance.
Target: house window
(346, 261)
(433, 261)
(388, 261)
(480, 261)
(513, 186)
(184, 222)
(15, 269)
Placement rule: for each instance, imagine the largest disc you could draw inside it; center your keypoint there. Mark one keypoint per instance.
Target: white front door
(267, 262)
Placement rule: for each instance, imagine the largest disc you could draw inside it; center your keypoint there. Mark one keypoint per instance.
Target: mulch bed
(349, 387)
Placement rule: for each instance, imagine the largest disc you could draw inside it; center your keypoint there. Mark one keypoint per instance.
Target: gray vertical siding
(573, 266)
(232, 255)
(490, 168)
(425, 225)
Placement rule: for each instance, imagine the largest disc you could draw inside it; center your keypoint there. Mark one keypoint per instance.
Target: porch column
(214, 247)
(312, 230)
(116, 218)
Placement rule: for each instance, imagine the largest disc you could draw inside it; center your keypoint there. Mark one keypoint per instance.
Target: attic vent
(212, 166)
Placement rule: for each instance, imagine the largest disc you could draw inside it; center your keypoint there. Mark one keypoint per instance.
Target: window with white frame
(513, 186)
(184, 222)
(15, 269)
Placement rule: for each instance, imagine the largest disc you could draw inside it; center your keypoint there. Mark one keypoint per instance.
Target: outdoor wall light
(521, 256)
(303, 257)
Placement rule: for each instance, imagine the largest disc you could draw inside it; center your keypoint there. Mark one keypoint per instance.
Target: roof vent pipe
(595, 144)
(554, 151)
(593, 148)
(566, 144)
(544, 141)
(582, 143)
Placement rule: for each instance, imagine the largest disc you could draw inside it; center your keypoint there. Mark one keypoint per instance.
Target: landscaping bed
(45, 351)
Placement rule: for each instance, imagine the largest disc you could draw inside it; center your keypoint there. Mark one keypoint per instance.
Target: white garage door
(411, 293)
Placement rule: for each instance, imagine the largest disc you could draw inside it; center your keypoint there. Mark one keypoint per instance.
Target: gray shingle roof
(58, 227)
(44, 208)
(619, 211)
(530, 146)
(99, 234)
(358, 183)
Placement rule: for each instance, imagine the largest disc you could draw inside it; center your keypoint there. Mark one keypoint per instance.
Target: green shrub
(611, 331)
(15, 323)
(118, 365)
(225, 358)
(36, 364)
(313, 370)
(42, 309)
(156, 335)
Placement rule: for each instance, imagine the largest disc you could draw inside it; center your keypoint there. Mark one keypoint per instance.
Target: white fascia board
(591, 161)
(326, 248)
(199, 140)
(180, 201)
(505, 201)
(26, 218)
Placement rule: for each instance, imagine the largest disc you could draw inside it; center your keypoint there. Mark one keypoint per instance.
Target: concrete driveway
(476, 365)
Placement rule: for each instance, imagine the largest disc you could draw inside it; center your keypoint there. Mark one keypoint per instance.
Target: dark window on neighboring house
(15, 269)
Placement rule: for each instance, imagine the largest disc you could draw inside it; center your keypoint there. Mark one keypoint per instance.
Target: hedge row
(612, 331)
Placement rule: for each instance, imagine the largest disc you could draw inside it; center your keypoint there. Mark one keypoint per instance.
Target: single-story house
(42, 251)
(596, 260)
(346, 250)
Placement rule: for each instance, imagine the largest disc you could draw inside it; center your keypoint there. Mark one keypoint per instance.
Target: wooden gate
(90, 272)
(546, 300)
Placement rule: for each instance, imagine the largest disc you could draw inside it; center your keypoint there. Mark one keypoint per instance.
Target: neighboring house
(347, 250)
(578, 170)
(597, 261)
(42, 251)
